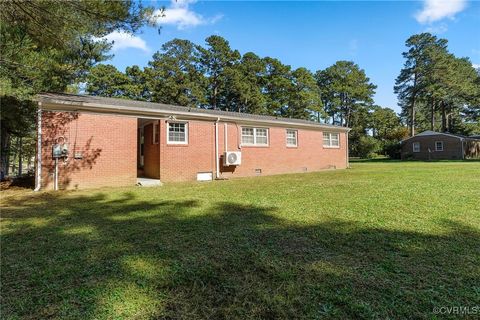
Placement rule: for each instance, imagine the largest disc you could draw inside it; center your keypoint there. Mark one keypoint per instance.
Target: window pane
(261, 132)
(247, 131)
(326, 139)
(261, 136)
(416, 147)
(262, 140)
(177, 132)
(291, 137)
(247, 139)
(335, 139)
(254, 136)
(247, 135)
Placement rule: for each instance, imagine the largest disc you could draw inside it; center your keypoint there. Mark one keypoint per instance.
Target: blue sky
(313, 34)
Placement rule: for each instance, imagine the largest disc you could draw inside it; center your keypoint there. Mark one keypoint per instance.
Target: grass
(381, 240)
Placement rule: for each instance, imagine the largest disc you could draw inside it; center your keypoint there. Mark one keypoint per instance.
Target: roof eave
(436, 134)
(62, 105)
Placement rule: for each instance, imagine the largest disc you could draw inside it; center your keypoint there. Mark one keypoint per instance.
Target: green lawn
(381, 240)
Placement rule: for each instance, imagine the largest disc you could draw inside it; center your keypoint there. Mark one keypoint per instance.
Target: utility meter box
(60, 150)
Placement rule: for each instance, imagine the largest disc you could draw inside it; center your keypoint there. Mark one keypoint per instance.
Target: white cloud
(123, 40)
(435, 10)
(476, 65)
(181, 15)
(438, 29)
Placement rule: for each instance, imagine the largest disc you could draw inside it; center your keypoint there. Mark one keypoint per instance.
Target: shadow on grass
(88, 257)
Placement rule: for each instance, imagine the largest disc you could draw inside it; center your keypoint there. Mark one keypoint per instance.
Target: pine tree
(175, 75)
(345, 88)
(412, 80)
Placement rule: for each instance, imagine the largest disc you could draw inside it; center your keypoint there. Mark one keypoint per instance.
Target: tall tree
(304, 97)
(345, 89)
(412, 78)
(277, 85)
(47, 46)
(175, 75)
(218, 60)
(107, 81)
(246, 85)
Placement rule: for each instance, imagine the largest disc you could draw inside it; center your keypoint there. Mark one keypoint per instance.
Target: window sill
(169, 144)
(292, 147)
(255, 145)
(331, 147)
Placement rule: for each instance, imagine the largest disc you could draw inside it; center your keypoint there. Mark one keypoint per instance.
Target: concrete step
(147, 182)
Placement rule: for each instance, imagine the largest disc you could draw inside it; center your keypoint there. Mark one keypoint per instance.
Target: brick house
(431, 145)
(88, 141)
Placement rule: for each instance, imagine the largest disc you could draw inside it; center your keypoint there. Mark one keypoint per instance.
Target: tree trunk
(412, 107)
(14, 157)
(20, 160)
(5, 152)
(449, 122)
(444, 117)
(214, 104)
(432, 115)
(412, 117)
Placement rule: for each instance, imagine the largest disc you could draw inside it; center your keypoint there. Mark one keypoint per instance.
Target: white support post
(217, 161)
(55, 182)
(38, 178)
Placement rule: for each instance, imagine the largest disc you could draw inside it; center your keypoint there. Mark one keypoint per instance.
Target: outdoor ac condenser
(232, 158)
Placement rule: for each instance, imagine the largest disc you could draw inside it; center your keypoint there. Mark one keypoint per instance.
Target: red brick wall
(107, 143)
(151, 154)
(452, 148)
(109, 148)
(183, 162)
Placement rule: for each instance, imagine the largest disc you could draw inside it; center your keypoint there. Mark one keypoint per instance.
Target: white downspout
(217, 164)
(346, 150)
(38, 178)
(226, 137)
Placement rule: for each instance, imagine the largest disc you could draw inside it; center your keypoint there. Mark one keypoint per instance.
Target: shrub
(393, 150)
(367, 147)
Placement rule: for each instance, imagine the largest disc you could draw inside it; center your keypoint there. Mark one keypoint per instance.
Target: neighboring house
(88, 141)
(431, 145)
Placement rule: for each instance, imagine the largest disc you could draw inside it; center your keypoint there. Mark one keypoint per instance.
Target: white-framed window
(254, 136)
(291, 138)
(331, 140)
(177, 133)
(156, 133)
(416, 146)
(438, 145)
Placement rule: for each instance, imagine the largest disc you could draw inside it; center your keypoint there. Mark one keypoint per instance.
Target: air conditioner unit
(232, 158)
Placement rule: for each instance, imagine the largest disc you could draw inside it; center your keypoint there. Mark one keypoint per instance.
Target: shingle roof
(435, 133)
(134, 105)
